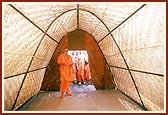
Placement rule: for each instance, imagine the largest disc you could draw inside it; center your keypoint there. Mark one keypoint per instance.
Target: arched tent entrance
(80, 40)
(129, 43)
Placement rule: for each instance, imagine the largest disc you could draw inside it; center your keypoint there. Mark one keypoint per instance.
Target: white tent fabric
(131, 35)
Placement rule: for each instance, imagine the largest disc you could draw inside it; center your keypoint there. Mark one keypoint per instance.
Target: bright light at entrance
(82, 75)
(81, 66)
(76, 53)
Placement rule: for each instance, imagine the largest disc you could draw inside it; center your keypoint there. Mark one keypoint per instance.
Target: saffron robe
(66, 72)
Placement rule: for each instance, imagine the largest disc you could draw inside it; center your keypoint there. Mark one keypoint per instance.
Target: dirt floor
(85, 99)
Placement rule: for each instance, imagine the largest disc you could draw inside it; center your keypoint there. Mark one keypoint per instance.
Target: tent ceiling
(55, 20)
(65, 17)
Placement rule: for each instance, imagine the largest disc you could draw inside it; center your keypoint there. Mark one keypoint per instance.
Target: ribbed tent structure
(125, 43)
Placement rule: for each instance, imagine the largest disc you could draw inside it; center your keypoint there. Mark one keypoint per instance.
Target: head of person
(73, 53)
(86, 62)
(65, 50)
(76, 53)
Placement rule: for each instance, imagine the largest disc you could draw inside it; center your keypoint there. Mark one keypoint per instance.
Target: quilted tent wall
(130, 35)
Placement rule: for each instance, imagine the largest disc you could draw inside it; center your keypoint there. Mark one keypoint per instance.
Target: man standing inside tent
(80, 69)
(87, 74)
(66, 73)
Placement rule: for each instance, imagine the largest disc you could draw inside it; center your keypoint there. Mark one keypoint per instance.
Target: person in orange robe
(80, 71)
(74, 66)
(87, 74)
(66, 72)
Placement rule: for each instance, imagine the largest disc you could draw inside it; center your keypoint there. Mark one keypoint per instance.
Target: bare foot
(62, 97)
(69, 94)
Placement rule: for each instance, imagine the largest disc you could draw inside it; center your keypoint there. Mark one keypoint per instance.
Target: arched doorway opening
(82, 75)
(102, 77)
(81, 67)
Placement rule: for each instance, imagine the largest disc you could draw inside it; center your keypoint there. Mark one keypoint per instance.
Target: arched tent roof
(75, 41)
(131, 37)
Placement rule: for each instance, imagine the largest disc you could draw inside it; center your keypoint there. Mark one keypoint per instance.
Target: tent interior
(125, 44)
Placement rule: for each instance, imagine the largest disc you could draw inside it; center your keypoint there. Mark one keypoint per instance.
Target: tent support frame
(77, 25)
(161, 75)
(122, 23)
(23, 73)
(133, 100)
(32, 22)
(13, 108)
(78, 16)
(120, 50)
